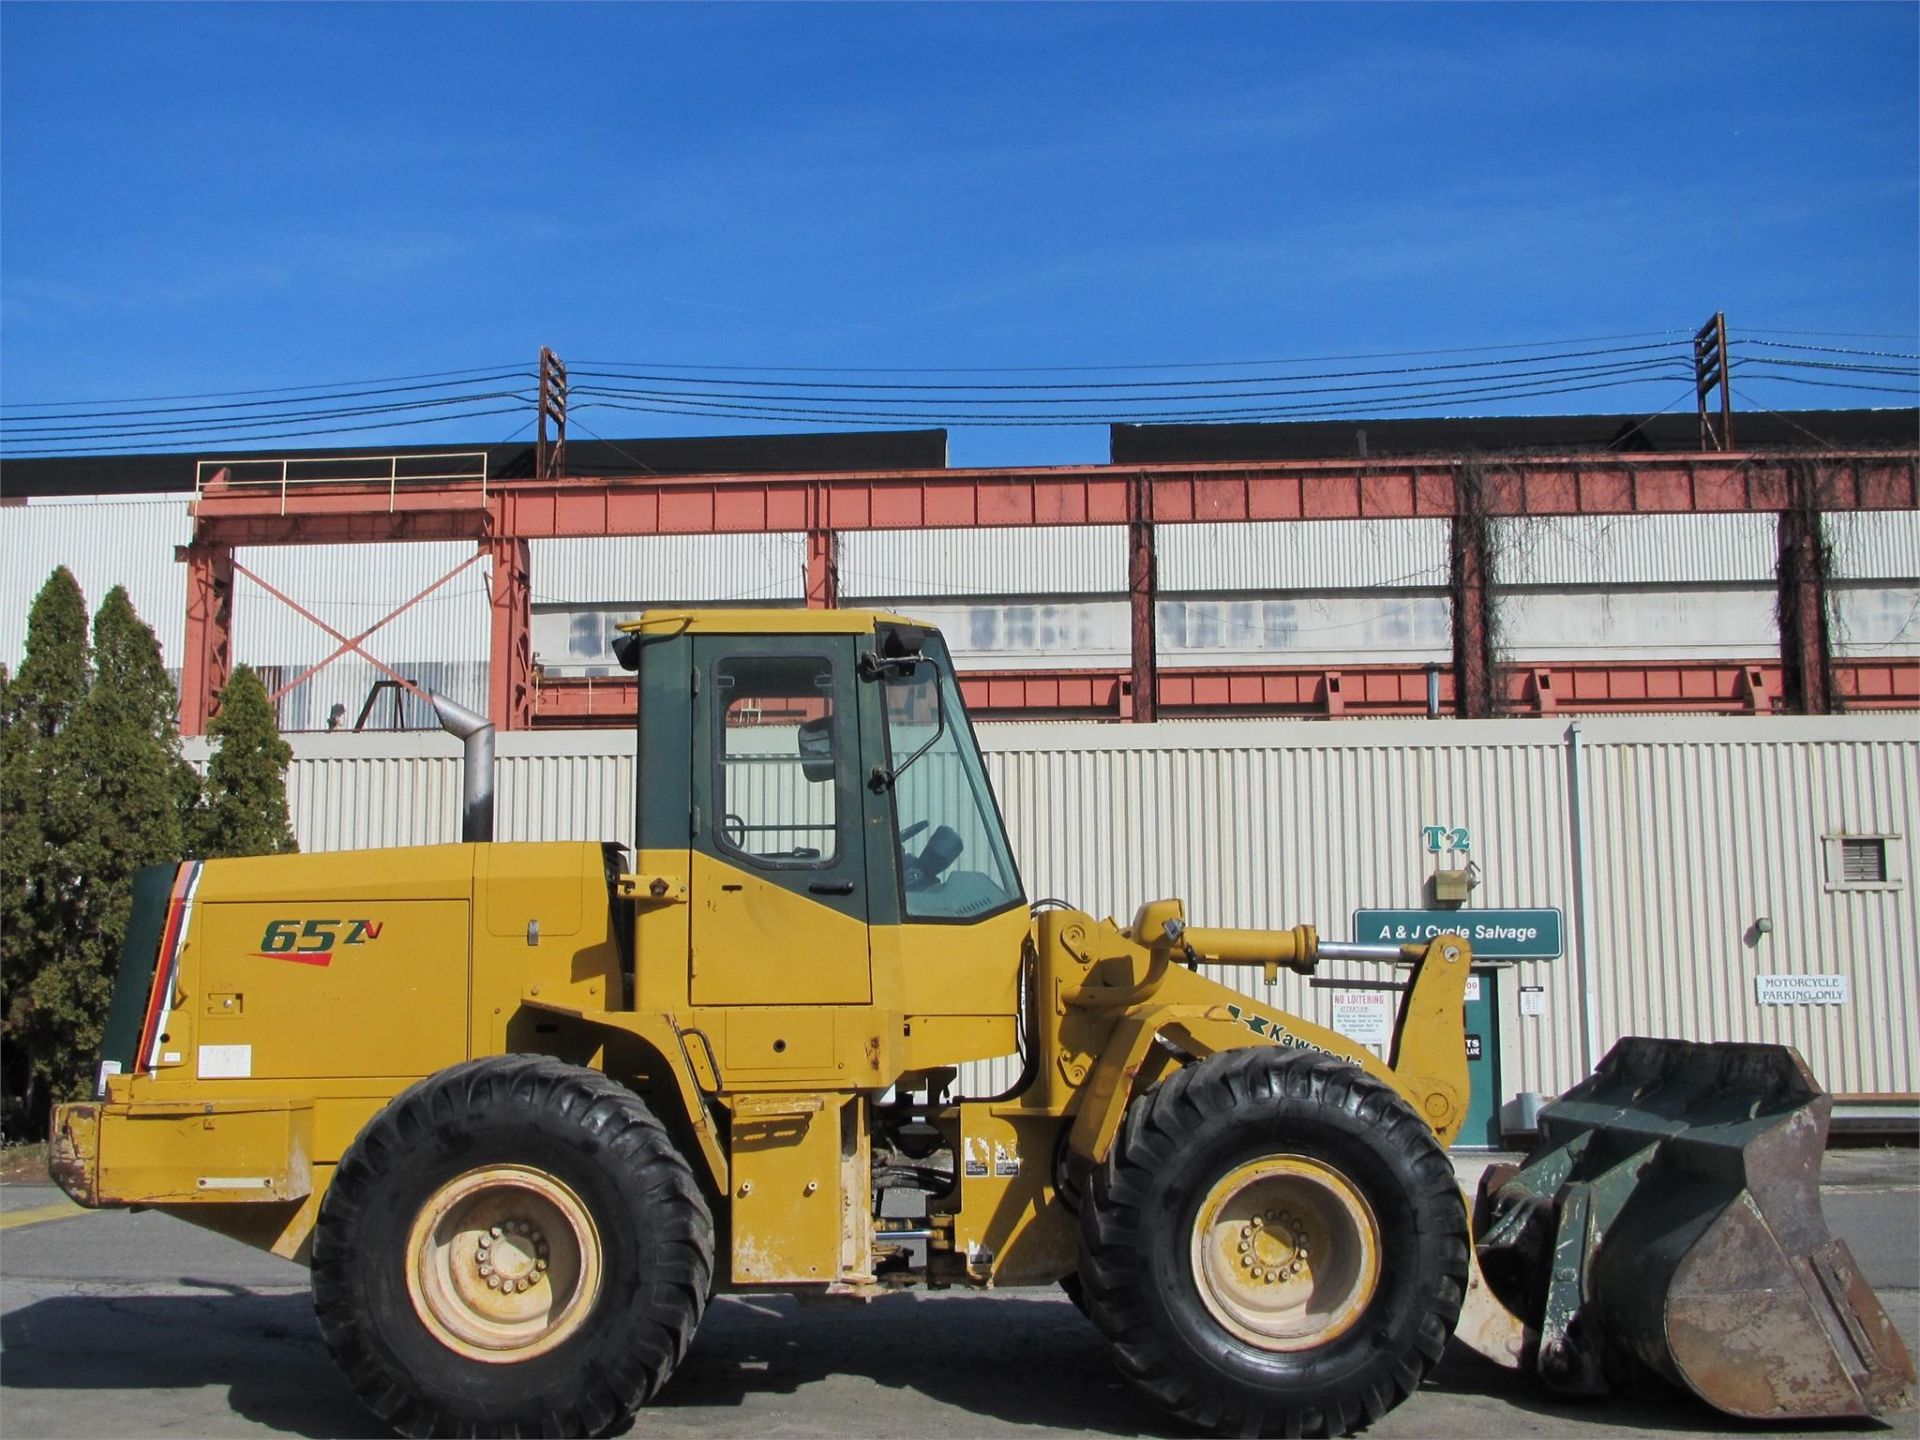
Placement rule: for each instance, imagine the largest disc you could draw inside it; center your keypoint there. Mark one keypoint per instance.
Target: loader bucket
(1670, 1219)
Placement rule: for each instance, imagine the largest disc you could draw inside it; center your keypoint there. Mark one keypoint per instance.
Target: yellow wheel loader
(524, 1108)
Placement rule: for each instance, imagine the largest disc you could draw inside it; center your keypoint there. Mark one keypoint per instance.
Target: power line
(1519, 370)
(282, 435)
(1829, 384)
(612, 445)
(1742, 395)
(1848, 366)
(1648, 364)
(1832, 334)
(1335, 409)
(255, 404)
(1177, 365)
(272, 390)
(1828, 349)
(664, 379)
(42, 431)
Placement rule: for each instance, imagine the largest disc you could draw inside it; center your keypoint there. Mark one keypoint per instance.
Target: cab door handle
(831, 887)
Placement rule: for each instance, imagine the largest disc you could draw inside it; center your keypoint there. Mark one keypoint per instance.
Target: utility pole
(550, 461)
(1709, 373)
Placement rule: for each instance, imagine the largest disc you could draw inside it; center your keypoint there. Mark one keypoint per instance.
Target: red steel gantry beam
(208, 658)
(506, 515)
(347, 513)
(1587, 687)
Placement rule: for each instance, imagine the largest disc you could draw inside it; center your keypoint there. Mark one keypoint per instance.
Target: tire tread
(1236, 1086)
(624, 1130)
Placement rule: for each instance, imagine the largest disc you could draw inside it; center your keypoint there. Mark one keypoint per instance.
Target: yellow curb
(39, 1215)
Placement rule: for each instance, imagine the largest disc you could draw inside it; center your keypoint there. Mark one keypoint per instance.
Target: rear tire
(1276, 1244)
(511, 1247)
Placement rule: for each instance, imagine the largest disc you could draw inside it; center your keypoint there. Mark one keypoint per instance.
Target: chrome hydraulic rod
(1359, 950)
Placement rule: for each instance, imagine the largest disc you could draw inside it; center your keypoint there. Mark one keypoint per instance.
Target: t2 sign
(1447, 839)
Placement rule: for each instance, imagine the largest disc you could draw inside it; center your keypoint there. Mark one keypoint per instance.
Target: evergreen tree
(114, 786)
(36, 711)
(246, 809)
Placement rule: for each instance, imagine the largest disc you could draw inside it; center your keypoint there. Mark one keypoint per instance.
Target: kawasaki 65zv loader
(524, 1108)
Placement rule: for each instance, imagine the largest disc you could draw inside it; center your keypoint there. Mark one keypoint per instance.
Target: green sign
(1494, 934)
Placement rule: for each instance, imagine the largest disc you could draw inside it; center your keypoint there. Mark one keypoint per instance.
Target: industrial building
(1668, 694)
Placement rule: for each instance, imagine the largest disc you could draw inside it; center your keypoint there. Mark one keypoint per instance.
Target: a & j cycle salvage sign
(1494, 934)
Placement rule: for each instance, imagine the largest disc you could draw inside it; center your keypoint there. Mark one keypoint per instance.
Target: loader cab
(819, 772)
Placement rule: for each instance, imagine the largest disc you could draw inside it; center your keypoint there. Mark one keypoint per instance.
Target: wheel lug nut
(540, 1265)
(496, 1232)
(541, 1249)
(1246, 1262)
(493, 1282)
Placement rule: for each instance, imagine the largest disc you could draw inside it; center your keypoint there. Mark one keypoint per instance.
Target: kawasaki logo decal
(1270, 1030)
(312, 942)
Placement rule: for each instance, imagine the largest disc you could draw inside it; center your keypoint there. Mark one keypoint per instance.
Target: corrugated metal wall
(1301, 555)
(1876, 597)
(1875, 544)
(1694, 840)
(1636, 549)
(1695, 827)
(440, 643)
(1322, 592)
(638, 570)
(1041, 560)
(104, 543)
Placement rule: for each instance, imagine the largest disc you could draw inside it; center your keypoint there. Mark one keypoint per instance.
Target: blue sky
(198, 199)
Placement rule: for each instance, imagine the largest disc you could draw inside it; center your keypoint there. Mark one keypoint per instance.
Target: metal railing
(285, 473)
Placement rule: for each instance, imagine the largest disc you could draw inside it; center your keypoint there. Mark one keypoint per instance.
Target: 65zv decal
(312, 942)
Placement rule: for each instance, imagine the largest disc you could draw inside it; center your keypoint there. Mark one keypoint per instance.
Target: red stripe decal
(322, 957)
(160, 996)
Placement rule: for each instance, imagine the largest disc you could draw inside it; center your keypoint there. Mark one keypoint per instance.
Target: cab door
(779, 893)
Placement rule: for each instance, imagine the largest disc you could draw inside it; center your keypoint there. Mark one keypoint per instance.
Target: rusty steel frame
(1049, 495)
(353, 645)
(1588, 687)
(207, 661)
(198, 680)
(504, 516)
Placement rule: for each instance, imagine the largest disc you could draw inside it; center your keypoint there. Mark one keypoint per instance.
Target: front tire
(511, 1247)
(1276, 1244)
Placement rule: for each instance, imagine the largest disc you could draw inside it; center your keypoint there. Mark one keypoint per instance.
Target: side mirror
(816, 749)
(900, 642)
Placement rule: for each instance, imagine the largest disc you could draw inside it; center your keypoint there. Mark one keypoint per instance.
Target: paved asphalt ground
(136, 1325)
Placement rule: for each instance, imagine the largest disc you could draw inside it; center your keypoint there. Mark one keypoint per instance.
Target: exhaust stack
(476, 771)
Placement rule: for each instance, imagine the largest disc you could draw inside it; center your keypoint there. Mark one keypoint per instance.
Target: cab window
(954, 859)
(777, 760)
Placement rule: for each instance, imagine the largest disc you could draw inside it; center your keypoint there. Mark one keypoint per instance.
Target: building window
(1862, 862)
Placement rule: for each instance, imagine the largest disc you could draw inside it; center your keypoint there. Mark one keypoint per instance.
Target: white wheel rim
(503, 1264)
(1286, 1253)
